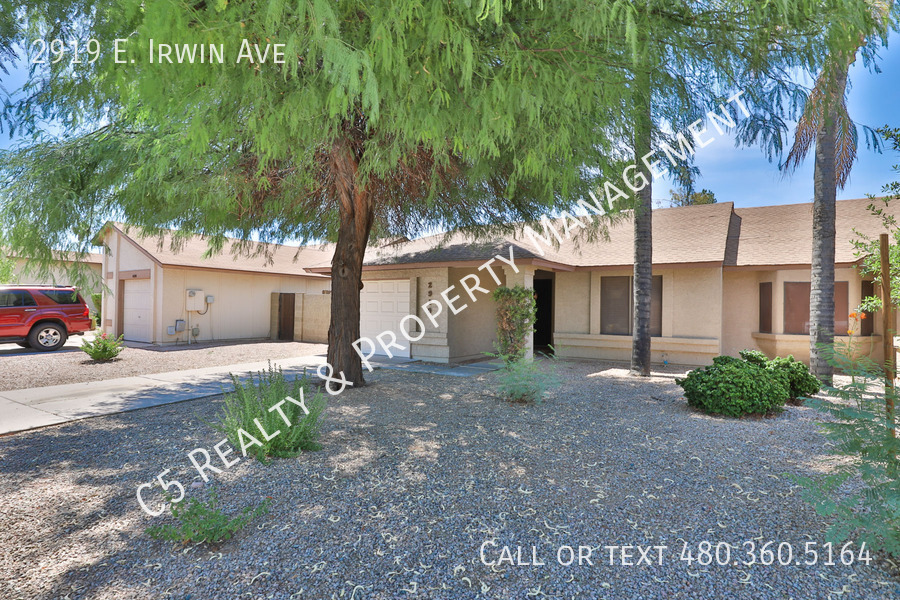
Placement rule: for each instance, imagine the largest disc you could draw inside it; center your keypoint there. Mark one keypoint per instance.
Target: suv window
(16, 298)
(62, 296)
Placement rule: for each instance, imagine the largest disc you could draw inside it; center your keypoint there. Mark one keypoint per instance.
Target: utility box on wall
(195, 301)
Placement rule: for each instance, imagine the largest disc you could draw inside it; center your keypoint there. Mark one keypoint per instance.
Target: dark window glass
(841, 307)
(62, 296)
(796, 307)
(16, 298)
(868, 324)
(656, 307)
(615, 305)
(765, 307)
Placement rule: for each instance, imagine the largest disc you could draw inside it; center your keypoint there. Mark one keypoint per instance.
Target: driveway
(22, 368)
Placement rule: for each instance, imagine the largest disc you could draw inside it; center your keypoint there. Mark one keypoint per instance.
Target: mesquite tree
(380, 118)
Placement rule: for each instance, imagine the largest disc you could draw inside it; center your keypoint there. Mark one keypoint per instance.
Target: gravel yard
(21, 368)
(416, 474)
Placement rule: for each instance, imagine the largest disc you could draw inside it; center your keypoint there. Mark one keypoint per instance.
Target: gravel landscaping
(27, 369)
(416, 473)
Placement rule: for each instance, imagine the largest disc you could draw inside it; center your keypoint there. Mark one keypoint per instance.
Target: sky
(744, 175)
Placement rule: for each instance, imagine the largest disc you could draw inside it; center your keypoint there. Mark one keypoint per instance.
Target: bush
(755, 356)
(868, 511)
(801, 383)
(104, 348)
(525, 382)
(516, 314)
(251, 401)
(199, 522)
(733, 387)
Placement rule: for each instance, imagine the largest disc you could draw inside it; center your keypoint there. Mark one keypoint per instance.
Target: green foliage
(103, 348)
(860, 495)
(7, 268)
(691, 198)
(516, 315)
(97, 301)
(203, 522)
(526, 380)
(755, 356)
(801, 383)
(253, 400)
(734, 387)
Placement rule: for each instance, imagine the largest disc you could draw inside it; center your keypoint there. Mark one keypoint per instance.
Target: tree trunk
(643, 230)
(821, 294)
(356, 216)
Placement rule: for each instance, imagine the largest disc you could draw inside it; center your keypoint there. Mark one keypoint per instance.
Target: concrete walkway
(21, 410)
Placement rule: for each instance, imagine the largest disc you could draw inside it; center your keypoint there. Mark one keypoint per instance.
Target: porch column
(525, 278)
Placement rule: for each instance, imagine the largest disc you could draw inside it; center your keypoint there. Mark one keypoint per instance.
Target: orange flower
(853, 315)
(849, 332)
(862, 315)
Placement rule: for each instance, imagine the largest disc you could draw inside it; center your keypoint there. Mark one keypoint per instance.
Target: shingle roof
(782, 235)
(693, 234)
(274, 259)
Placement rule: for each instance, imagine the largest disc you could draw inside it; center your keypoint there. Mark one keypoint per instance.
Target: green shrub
(199, 522)
(251, 401)
(524, 381)
(516, 314)
(733, 387)
(755, 356)
(97, 301)
(868, 455)
(103, 348)
(802, 384)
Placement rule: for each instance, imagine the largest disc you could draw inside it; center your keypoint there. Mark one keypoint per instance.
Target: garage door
(382, 305)
(137, 306)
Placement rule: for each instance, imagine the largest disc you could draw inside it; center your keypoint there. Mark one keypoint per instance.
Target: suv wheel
(46, 337)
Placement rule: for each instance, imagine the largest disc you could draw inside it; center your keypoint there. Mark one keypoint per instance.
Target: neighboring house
(162, 294)
(88, 283)
(724, 279)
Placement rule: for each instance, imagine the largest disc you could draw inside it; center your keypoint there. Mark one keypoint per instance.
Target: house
(162, 291)
(724, 279)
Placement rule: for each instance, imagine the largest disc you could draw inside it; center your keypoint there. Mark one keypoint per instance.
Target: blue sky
(744, 175)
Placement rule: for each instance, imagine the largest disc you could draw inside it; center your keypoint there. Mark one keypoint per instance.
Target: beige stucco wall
(312, 317)
(241, 309)
(473, 332)
(121, 256)
(741, 323)
(691, 316)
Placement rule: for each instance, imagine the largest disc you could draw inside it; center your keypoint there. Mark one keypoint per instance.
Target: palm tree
(826, 122)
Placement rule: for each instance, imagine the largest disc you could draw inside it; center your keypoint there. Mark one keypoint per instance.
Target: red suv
(42, 316)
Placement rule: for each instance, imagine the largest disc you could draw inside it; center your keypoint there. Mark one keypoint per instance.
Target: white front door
(382, 305)
(137, 321)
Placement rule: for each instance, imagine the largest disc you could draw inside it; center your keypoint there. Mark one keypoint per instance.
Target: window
(867, 327)
(16, 298)
(62, 296)
(765, 307)
(616, 306)
(796, 307)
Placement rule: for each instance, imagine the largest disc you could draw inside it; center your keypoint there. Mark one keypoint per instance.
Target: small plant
(103, 348)
(516, 314)
(203, 522)
(525, 382)
(733, 387)
(97, 301)
(863, 440)
(250, 402)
